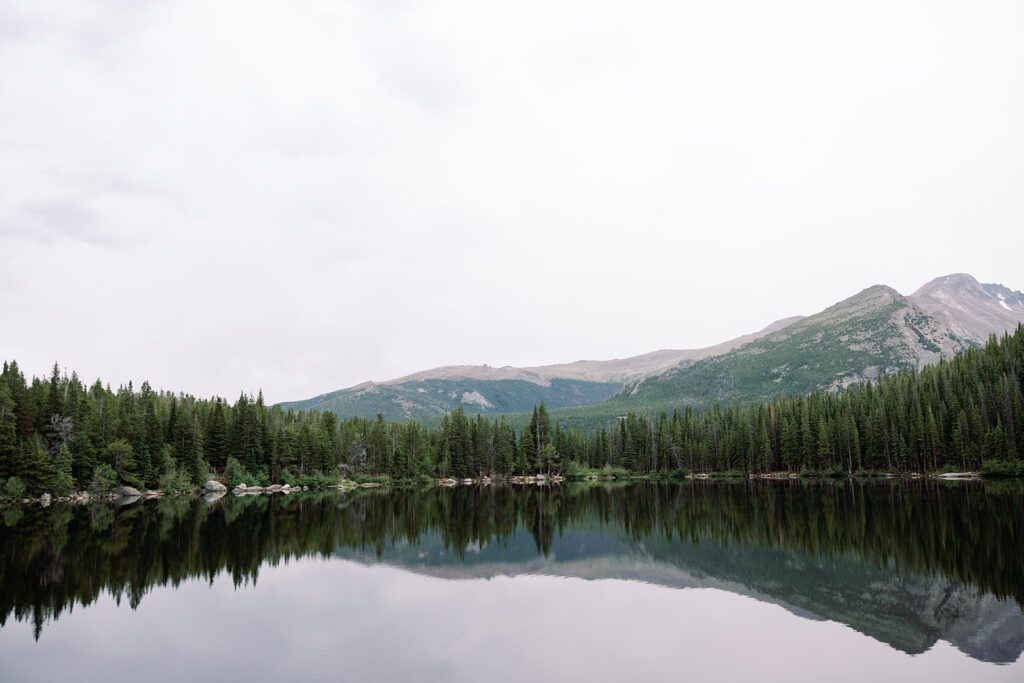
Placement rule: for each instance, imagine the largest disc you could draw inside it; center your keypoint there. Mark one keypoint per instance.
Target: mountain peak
(953, 282)
(879, 290)
(972, 310)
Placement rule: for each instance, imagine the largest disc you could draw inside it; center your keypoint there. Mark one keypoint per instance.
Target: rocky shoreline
(213, 490)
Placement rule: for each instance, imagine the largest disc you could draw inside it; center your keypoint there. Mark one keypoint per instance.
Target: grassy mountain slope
(485, 389)
(434, 397)
(874, 332)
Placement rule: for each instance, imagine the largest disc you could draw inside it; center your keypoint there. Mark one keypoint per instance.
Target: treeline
(61, 435)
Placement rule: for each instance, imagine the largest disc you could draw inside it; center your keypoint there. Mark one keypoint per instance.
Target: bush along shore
(959, 417)
(213, 489)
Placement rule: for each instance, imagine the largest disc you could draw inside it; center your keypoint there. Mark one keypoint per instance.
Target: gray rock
(127, 492)
(45, 499)
(214, 486)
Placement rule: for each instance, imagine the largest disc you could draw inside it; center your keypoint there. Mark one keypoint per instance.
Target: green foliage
(1002, 468)
(175, 482)
(951, 416)
(862, 473)
(235, 474)
(835, 472)
(317, 479)
(370, 479)
(15, 487)
(121, 455)
(104, 478)
(63, 484)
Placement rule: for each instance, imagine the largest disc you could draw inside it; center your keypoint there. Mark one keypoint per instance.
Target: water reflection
(906, 563)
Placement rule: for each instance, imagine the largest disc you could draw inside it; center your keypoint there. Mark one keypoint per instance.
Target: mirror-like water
(785, 580)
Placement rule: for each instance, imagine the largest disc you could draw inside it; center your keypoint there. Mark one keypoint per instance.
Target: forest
(61, 435)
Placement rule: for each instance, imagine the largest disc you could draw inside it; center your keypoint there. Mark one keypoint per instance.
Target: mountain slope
(874, 332)
(484, 389)
(616, 370)
(430, 397)
(970, 309)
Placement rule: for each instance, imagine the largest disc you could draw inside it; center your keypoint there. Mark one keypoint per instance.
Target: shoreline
(214, 490)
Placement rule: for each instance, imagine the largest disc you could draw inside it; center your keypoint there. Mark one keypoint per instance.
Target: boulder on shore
(127, 492)
(45, 499)
(214, 486)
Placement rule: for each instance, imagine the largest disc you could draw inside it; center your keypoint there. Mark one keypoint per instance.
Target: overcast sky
(299, 196)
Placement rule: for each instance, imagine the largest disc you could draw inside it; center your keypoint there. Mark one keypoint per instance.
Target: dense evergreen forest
(61, 435)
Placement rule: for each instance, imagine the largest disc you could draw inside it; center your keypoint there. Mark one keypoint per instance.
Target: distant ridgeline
(873, 333)
(964, 413)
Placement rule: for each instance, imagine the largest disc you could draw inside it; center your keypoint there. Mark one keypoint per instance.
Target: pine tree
(215, 442)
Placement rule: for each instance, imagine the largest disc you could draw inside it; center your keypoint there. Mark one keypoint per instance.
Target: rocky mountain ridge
(486, 389)
(875, 332)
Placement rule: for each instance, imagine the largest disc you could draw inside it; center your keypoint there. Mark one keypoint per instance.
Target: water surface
(778, 580)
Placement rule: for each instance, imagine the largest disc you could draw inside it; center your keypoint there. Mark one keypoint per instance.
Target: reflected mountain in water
(907, 563)
(909, 612)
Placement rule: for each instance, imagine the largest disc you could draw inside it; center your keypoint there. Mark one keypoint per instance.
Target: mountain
(878, 331)
(485, 389)
(874, 332)
(970, 309)
(398, 399)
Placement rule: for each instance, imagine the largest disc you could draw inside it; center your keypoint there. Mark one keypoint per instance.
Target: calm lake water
(773, 581)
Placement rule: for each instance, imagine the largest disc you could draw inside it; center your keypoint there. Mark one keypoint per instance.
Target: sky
(296, 197)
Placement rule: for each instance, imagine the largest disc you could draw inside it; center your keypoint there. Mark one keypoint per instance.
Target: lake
(605, 581)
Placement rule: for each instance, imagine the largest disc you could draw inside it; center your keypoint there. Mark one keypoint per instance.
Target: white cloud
(305, 196)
